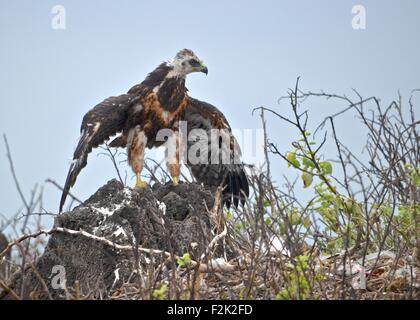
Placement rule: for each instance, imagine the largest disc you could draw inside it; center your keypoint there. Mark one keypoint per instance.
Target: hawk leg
(173, 152)
(136, 145)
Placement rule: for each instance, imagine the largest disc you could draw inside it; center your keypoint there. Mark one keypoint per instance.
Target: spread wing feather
(98, 125)
(231, 176)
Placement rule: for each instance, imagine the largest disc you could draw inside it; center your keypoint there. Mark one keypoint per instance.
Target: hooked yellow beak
(204, 69)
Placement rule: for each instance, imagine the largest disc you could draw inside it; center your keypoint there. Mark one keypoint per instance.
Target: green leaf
(326, 167)
(416, 179)
(307, 179)
(303, 260)
(291, 157)
(308, 162)
(229, 215)
(184, 260)
(160, 294)
(307, 222)
(295, 218)
(349, 205)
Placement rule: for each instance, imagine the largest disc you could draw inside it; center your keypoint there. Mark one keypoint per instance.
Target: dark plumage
(232, 177)
(98, 125)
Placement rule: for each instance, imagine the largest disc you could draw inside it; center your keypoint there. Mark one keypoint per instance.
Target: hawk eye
(194, 63)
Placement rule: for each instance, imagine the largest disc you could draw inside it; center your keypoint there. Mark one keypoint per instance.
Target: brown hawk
(160, 103)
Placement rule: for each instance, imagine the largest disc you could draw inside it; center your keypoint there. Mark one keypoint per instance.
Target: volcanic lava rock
(171, 218)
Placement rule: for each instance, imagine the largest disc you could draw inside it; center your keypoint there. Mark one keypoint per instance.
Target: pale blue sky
(254, 51)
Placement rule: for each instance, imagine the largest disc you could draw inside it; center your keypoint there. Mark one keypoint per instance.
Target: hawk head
(186, 62)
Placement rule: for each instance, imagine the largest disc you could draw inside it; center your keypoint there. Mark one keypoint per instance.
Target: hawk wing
(98, 125)
(216, 172)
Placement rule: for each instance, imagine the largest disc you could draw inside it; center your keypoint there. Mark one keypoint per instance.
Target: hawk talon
(140, 183)
(175, 180)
